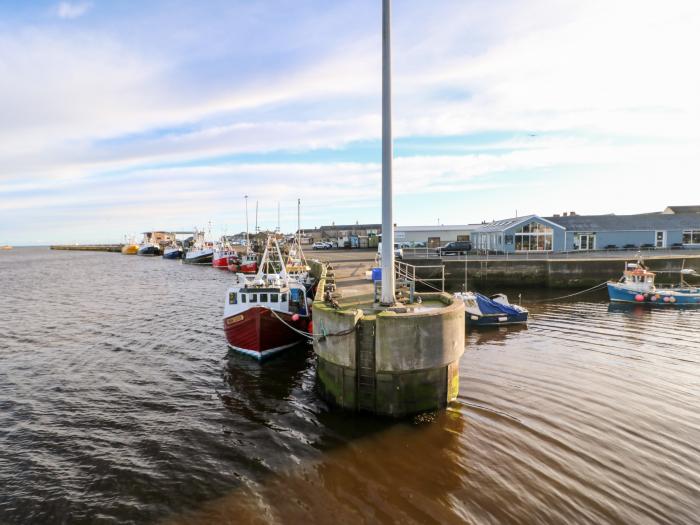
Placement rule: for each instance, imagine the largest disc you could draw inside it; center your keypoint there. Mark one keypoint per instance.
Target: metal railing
(406, 277)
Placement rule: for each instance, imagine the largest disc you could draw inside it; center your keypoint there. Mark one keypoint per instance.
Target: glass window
(263, 297)
(275, 298)
(284, 297)
(253, 298)
(687, 237)
(533, 237)
(696, 237)
(232, 299)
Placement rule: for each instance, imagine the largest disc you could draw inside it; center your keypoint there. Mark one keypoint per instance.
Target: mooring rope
(571, 294)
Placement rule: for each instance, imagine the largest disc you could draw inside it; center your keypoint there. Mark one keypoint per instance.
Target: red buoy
(639, 298)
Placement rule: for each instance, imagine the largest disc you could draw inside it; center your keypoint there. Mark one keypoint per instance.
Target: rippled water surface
(119, 403)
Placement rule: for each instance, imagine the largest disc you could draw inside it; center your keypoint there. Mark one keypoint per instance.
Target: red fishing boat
(243, 263)
(223, 253)
(266, 313)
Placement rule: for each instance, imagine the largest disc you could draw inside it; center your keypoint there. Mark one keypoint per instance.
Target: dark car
(455, 248)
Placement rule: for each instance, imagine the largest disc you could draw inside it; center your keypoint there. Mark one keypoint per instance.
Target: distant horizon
(122, 117)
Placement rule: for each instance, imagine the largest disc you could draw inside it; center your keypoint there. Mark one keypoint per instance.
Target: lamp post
(388, 298)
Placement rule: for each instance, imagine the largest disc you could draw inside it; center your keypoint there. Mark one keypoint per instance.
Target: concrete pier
(387, 361)
(88, 247)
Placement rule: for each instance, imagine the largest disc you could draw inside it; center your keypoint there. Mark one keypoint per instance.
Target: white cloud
(69, 10)
(613, 82)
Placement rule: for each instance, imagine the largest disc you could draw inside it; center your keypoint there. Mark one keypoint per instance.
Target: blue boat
(637, 286)
(173, 252)
(491, 311)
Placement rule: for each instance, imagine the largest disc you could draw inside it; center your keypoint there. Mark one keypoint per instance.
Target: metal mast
(247, 239)
(388, 284)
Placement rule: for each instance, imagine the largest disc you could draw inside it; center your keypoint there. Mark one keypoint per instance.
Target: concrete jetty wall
(89, 247)
(552, 273)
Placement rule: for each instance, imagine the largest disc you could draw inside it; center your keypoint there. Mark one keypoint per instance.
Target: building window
(433, 242)
(691, 237)
(463, 238)
(534, 237)
(584, 241)
(509, 239)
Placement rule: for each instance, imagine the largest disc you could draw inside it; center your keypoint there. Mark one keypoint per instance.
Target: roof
(638, 222)
(438, 227)
(682, 209)
(504, 224)
(351, 227)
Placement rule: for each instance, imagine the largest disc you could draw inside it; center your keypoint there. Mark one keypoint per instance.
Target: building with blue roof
(676, 227)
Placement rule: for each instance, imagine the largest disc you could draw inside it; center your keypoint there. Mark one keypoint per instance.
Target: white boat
(201, 251)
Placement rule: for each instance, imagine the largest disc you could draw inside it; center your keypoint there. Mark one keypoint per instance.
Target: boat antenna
(256, 218)
(278, 217)
(247, 239)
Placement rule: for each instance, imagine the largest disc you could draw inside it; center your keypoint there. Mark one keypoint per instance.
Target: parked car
(398, 251)
(322, 246)
(454, 248)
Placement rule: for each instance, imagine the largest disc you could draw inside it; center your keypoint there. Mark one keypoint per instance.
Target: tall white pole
(388, 297)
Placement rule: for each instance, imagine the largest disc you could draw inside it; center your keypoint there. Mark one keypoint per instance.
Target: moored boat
(6, 247)
(173, 251)
(130, 249)
(637, 285)
(491, 311)
(201, 251)
(244, 263)
(223, 253)
(267, 313)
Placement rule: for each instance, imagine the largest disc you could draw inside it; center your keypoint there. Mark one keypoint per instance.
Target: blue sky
(120, 117)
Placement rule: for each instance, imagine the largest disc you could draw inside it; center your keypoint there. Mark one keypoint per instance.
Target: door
(586, 241)
(433, 242)
(661, 239)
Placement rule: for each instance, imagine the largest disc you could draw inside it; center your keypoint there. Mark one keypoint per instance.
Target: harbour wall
(88, 247)
(550, 273)
(387, 362)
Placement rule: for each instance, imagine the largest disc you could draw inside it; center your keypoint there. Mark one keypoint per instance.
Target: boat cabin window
(263, 297)
(243, 297)
(275, 298)
(253, 298)
(284, 298)
(232, 299)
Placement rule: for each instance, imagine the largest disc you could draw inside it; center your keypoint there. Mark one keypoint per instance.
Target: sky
(122, 117)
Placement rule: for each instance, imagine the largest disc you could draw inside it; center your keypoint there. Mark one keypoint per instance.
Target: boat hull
(130, 249)
(148, 251)
(659, 297)
(220, 261)
(259, 333)
(205, 258)
(172, 254)
(474, 321)
(248, 268)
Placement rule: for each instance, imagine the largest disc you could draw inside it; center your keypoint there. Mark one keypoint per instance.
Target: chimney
(556, 215)
(572, 213)
(566, 214)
